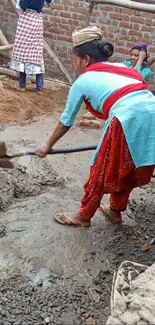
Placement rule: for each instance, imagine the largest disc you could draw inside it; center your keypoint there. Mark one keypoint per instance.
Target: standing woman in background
(138, 60)
(27, 54)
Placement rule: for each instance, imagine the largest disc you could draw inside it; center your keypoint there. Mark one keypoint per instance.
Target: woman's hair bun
(106, 48)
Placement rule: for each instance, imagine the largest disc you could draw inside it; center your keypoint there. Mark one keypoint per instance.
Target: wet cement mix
(51, 274)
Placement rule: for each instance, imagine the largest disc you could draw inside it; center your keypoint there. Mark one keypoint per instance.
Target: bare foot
(72, 219)
(113, 216)
(21, 89)
(39, 92)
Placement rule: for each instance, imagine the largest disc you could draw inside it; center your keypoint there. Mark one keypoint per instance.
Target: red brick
(139, 20)
(135, 33)
(108, 8)
(148, 15)
(64, 38)
(146, 40)
(57, 6)
(147, 29)
(75, 16)
(127, 11)
(121, 50)
(55, 19)
(125, 24)
(136, 26)
(66, 2)
(79, 10)
(116, 16)
(152, 49)
(129, 45)
(69, 61)
(47, 24)
(65, 14)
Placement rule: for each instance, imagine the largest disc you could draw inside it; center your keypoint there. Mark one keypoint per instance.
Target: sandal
(105, 209)
(65, 220)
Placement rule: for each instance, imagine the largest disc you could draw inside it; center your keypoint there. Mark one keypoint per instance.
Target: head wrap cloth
(142, 46)
(85, 35)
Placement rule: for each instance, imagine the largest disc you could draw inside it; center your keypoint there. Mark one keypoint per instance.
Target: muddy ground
(51, 274)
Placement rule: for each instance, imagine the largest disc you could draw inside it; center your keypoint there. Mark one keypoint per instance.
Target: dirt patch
(18, 107)
(25, 181)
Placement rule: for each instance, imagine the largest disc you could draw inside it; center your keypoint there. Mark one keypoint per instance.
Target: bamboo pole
(48, 49)
(128, 4)
(90, 9)
(6, 47)
(13, 74)
(151, 61)
(3, 38)
(57, 61)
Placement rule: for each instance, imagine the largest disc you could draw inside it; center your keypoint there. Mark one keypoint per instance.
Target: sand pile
(18, 107)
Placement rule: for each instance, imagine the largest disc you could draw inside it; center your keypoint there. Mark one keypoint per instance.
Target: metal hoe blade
(4, 158)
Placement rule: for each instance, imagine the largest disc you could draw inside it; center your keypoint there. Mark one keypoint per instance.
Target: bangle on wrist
(46, 146)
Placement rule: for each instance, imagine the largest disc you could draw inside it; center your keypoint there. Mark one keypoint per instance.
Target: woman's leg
(113, 172)
(118, 203)
(93, 190)
(93, 193)
(22, 80)
(39, 82)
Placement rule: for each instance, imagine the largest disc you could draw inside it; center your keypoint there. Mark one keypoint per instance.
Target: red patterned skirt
(114, 172)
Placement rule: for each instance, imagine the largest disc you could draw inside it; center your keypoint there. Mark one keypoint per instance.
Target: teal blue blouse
(144, 70)
(135, 111)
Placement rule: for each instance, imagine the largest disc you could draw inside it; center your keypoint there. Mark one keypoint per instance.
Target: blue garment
(144, 70)
(39, 81)
(135, 111)
(36, 5)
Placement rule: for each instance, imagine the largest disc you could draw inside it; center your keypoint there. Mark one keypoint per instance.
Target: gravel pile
(23, 302)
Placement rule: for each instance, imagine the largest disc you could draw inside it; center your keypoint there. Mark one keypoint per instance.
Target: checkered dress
(28, 44)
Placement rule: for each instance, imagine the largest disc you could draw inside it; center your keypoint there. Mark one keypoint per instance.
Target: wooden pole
(6, 47)
(48, 49)
(151, 61)
(13, 74)
(8, 72)
(128, 4)
(57, 61)
(90, 9)
(3, 39)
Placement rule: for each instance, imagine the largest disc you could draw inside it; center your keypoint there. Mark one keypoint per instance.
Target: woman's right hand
(142, 56)
(43, 151)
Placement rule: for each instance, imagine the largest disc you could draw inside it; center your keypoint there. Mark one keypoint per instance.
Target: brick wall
(121, 26)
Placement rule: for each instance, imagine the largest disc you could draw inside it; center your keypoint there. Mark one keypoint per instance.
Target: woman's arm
(58, 133)
(67, 118)
(49, 1)
(23, 4)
